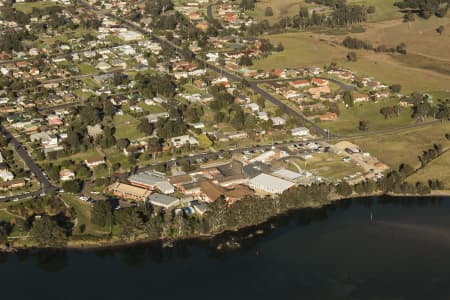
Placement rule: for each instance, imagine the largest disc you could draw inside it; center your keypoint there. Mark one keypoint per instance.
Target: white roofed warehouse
(269, 184)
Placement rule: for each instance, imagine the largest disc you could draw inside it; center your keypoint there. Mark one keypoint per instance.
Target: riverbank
(112, 242)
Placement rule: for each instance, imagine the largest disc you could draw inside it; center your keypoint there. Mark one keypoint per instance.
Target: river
(373, 248)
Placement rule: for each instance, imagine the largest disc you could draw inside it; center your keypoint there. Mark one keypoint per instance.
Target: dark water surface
(332, 253)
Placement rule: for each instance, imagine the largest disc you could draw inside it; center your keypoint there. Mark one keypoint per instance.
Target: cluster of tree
(151, 85)
(11, 14)
(157, 8)
(342, 15)
(49, 205)
(12, 40)
(390, 111)
(430, 154)
(48, 232)
(248, 4)
(355, 43)
(423, 107)
(425, 8)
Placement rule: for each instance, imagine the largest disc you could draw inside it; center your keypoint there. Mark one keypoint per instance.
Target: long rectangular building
(269, 184)
(130, 192)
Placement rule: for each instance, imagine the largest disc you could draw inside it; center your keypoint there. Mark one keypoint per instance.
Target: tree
(72, 186)
(101, 213)
(47, 233)
(245, 60)
(351, 56)
(348, 98)
(395, 88)
(3, 234)
(247, 4)
(280, 47)
(440, 29)
(130, 221)
(268, 12)
(408, 17)
(363, 125)
(344, 189)
(371, 9)
(123, 143)
(83, 172)
(146, 127)
(261, 102)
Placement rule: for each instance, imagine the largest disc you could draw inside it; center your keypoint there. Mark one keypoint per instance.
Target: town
(159, 104)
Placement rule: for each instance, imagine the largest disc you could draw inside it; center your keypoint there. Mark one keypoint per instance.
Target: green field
(327, 165)
(126, 127)
(27, 7)
(405, 146)
(301, 49)
(384, 9)
(348, 120)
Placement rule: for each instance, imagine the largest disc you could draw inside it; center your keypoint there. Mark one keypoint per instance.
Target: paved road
(46, 185)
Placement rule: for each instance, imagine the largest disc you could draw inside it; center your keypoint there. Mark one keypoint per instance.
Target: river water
(373, 248)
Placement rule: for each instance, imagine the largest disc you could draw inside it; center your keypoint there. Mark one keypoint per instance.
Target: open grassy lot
(348, 121)
(126, 127)
(405, 146)
(384, 9)
(327, 165)
(27, 7)
(439, 168)
(86, 68)
(78, 157)
(419, 36)
(301, 49)
(281, 8)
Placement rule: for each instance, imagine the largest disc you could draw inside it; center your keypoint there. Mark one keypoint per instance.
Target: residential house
(66, 175)
(300, 131)
(183, 140)
(91, 163)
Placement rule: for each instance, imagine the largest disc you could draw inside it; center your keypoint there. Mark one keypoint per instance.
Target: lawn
(281, 8)
(78, 157)
(301, 49)
(87, 69)
(384, 9)
(126, 127)
(83, 210)
(348, 120)
(26, 7)
(329, 166)
(437, 169)
(405, 146)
